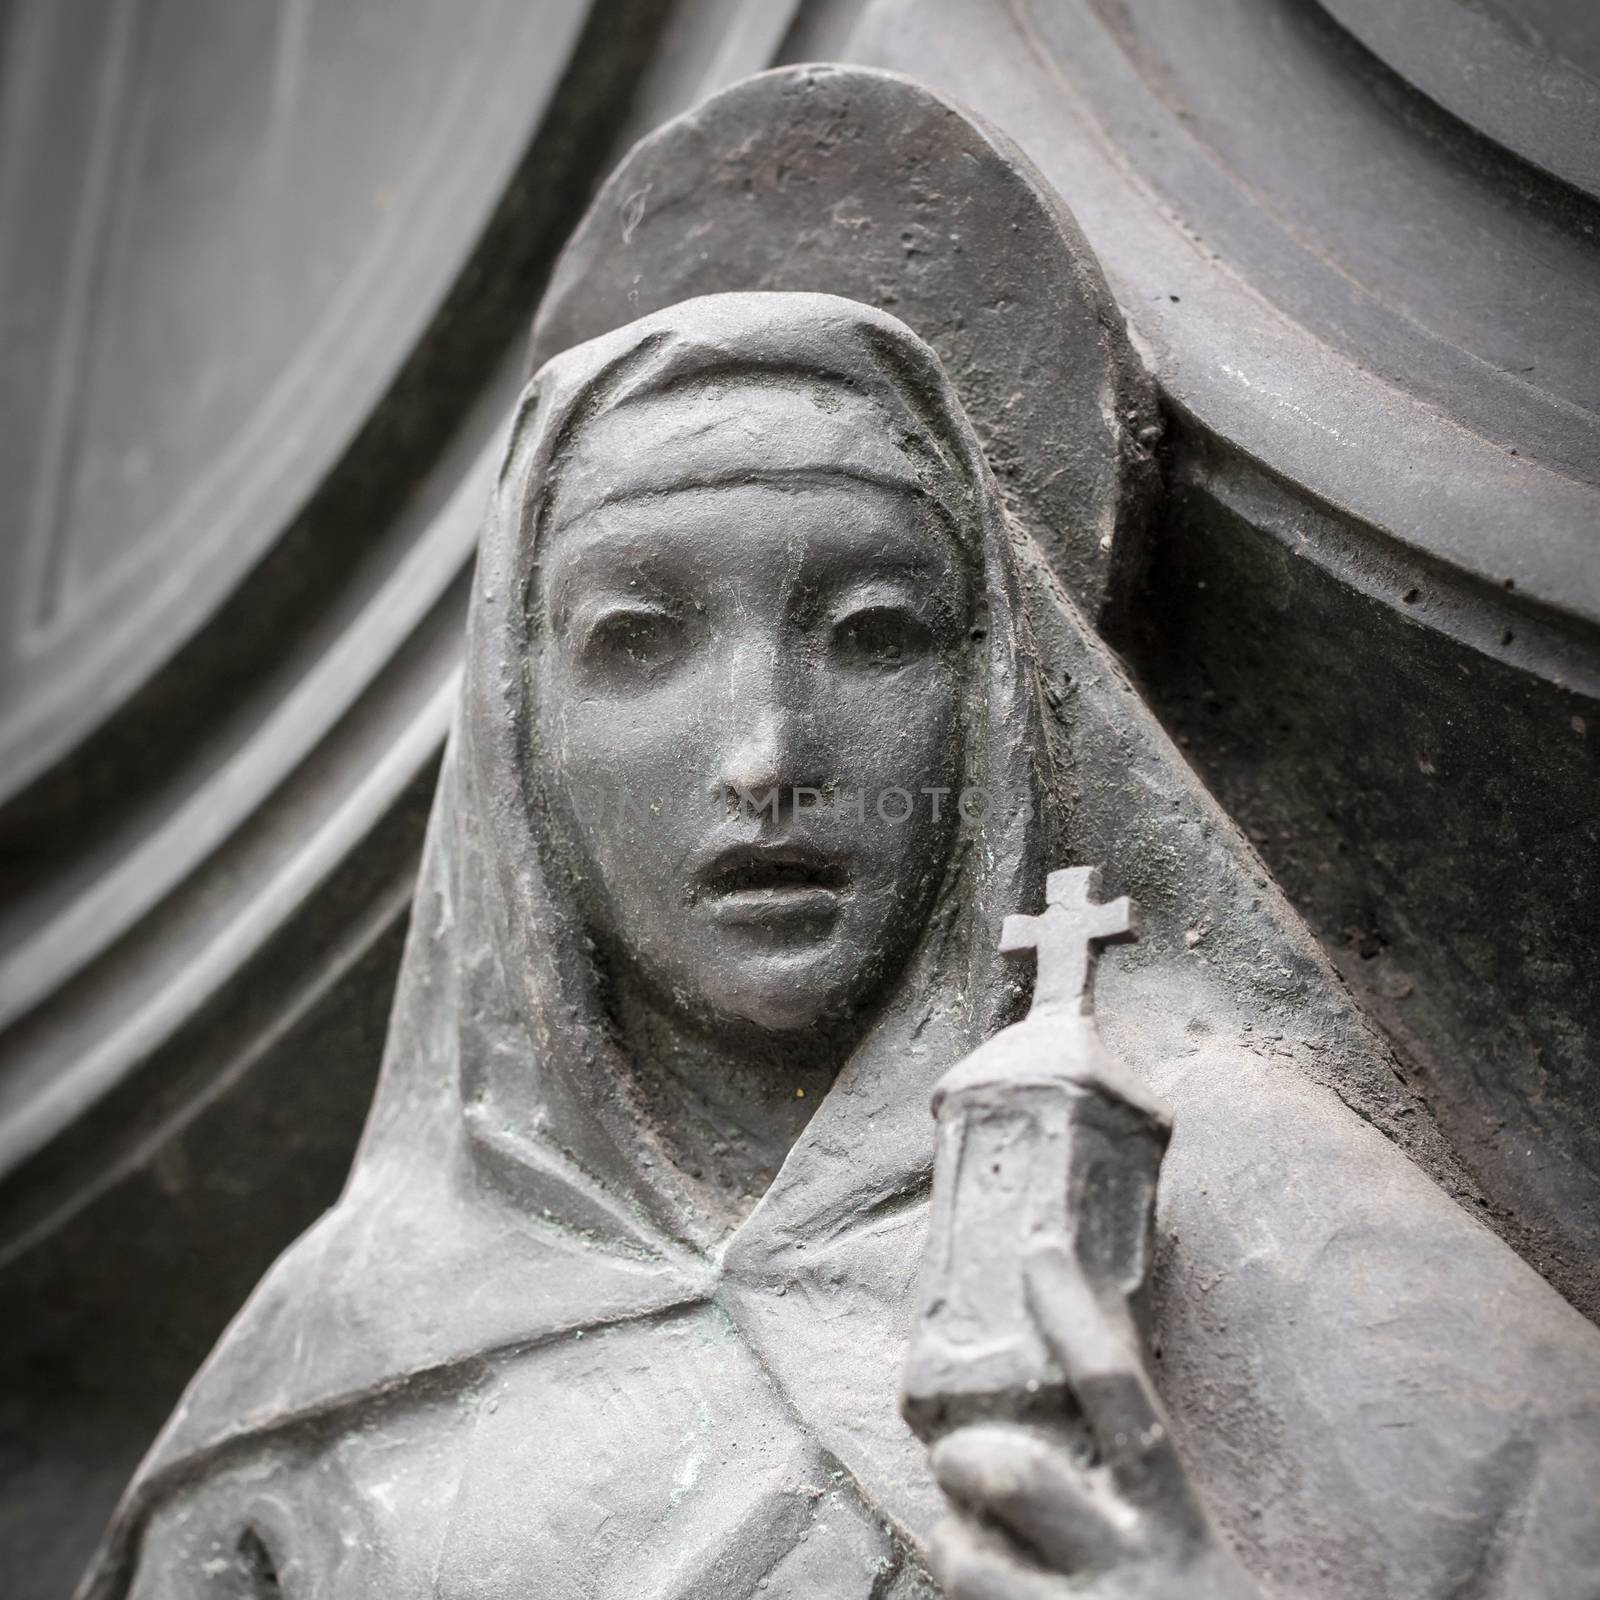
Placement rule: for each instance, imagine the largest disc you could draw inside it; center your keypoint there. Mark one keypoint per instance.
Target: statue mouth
(790, 882)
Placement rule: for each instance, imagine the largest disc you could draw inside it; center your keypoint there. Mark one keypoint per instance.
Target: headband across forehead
(743, 427)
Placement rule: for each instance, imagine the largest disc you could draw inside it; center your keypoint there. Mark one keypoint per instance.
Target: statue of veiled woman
(761, 736)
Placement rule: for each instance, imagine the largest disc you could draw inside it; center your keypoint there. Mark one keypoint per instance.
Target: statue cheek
(903, 732)
(641, 742)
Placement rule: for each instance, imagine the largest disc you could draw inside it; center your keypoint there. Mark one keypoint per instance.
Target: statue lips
(786, 883)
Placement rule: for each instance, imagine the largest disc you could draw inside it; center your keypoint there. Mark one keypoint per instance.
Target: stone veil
(515, 1357)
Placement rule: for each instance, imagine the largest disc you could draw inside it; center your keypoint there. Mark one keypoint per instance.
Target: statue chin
(794, 999)
(777, 1006)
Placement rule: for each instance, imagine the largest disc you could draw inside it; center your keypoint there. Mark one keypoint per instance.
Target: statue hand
(1125, 1525)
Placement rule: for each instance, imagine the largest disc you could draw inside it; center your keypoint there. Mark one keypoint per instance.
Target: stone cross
(1067, 936)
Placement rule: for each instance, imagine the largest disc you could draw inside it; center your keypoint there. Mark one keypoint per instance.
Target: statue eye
(255, 1565)
(636, 639)
(882, 636)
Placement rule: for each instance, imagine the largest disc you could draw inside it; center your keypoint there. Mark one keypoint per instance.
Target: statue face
(744, 696)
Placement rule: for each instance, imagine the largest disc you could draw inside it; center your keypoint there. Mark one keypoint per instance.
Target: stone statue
(773, 714)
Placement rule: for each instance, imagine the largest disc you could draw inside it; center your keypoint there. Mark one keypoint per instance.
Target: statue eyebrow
(919, 585)
(612, 569)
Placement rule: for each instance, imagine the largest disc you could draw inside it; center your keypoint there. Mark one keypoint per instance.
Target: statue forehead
(822, 522)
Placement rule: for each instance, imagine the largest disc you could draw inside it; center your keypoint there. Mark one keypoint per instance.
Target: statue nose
(757, 758)
(767, 737)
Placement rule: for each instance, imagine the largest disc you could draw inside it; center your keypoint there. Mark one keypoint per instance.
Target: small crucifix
(1067, 936)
